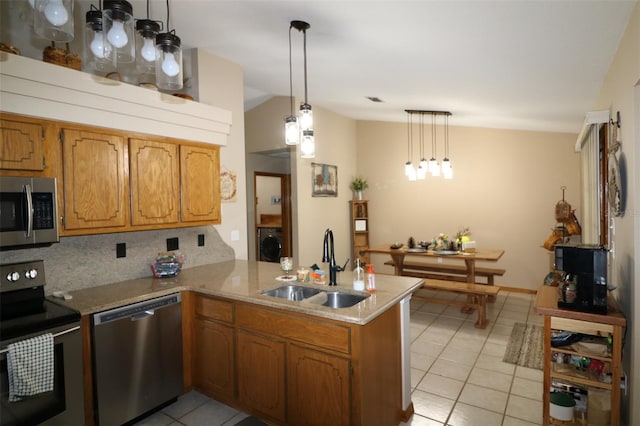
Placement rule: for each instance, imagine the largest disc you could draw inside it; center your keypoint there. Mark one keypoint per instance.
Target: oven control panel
(21, 275)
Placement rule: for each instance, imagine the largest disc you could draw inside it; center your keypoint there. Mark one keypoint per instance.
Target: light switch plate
(235, 235)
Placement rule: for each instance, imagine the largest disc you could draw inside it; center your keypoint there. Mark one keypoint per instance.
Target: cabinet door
(200, 179)
(261, 374)
(319, 388)
(95, 180)
(155, 182)
(213, 359)
(22, 145)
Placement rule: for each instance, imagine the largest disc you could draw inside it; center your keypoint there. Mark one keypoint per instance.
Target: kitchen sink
(292, 292)
(337, 299)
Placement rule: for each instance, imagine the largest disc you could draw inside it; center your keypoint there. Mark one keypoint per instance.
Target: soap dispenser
(358, 277)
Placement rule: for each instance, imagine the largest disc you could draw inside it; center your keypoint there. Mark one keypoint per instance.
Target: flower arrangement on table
(443, 242)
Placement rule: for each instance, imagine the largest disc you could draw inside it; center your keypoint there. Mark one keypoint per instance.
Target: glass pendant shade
(307, 145)
(407, 168)
(168, 62)
(422, 172)
(146, 32)
(447, 171)
(306, 117)
(117, 24)
(412, 174)
(291, 130)
(434, 168)
(95, 45)
(53, 19)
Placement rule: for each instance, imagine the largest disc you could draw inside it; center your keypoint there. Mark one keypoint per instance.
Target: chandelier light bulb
(56, 13)
(97, 45)
(148, 50)
(117, 35)
(422, 172)
(308, 145)
(169, 66)
(407, 168)
(306, 117)
(291, 130)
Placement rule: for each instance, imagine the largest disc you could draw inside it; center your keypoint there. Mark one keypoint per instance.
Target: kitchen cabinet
(22, 142)
(200, 182)
(214, 344)
(154, 168)
(360, 230)
(319, 387)
(261, 374)
(609, 325)
(95, 180)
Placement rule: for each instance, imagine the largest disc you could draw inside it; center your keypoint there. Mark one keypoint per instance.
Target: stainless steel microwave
(28, 211)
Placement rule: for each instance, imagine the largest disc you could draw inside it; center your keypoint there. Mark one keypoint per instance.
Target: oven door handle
(29, 204)
(61, 333)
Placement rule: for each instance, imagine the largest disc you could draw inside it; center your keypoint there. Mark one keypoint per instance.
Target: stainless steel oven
(28, 211)
(26, 313)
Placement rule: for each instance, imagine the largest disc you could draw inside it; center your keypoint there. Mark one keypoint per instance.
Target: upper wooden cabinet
(96, 180)
(22, 145)
(155, 182)
(200, 179)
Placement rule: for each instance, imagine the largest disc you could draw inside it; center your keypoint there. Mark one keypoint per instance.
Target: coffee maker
(586, 266)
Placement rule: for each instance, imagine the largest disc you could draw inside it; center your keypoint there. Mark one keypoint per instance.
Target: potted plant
(358, 184)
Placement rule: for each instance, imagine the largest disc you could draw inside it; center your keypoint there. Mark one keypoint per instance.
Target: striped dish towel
(30, 367)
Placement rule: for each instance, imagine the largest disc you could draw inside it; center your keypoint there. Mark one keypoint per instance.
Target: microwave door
(16, 216)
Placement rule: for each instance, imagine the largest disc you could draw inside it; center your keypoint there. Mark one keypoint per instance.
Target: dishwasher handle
(136, 311)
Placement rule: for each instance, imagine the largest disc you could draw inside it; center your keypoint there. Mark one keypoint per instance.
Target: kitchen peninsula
(287, 362)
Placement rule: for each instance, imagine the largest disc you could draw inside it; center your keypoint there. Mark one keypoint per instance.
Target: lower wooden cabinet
(297, 369)
(214, 359)
(261, 374)
(319, 388)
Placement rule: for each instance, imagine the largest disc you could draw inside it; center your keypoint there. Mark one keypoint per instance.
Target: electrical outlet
(121, 250)
(173, 244)
(200, 240)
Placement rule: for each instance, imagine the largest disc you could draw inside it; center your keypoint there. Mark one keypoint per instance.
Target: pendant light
(306, 114)
(146, 32)
(117, 24)
(291, 125)
(423, 166)
(434, 167)
(96, 47)
(53, 19)
(447, 171)
(409, 171)
(168, 59)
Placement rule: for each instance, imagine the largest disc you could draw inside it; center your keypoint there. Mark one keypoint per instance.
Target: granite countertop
(245, 281)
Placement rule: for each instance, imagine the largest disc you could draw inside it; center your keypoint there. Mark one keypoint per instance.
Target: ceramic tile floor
(458, 377)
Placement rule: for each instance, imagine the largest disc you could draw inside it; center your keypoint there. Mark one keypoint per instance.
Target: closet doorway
(272, 207)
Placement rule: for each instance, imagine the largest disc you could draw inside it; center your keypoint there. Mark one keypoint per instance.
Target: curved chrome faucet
(328, 255)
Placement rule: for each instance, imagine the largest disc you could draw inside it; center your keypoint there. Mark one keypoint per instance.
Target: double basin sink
(334, 298)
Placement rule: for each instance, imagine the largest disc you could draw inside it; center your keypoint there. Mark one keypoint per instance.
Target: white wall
(220, 83)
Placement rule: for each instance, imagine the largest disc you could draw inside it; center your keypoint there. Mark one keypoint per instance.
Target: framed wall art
(324, 180)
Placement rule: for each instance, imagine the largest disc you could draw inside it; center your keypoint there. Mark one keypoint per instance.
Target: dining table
(469, 258)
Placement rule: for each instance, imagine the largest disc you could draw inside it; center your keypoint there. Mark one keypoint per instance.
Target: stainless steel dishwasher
(137, 353)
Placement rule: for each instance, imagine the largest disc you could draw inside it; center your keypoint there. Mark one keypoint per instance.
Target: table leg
(471, 278)
(398, 260)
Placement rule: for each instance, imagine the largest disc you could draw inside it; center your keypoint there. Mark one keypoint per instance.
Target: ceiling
(534, 65)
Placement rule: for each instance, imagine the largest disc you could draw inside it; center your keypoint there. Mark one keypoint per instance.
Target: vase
(357, 194)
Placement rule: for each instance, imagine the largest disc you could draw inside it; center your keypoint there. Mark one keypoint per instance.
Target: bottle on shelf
(358, 277)
(371, 279)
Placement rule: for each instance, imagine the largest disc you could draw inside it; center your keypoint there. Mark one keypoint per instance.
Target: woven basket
(63, 57)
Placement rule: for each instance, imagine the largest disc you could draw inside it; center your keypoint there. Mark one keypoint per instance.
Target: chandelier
(430, 167)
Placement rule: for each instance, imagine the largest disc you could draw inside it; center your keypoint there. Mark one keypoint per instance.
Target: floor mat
(525, 347)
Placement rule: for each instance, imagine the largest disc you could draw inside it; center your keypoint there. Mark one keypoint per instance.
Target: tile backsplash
(89, 261)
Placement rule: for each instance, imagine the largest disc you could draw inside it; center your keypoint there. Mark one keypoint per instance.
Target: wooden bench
(445, 271)
(477, 295)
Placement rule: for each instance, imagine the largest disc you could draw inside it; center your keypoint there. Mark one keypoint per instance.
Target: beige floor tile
(527, 388)
(454, 312)
(450, 369)
(211, 413)
(467, 415)
(441, 386)
(418, 420)
(466, 343)
(436, 336)
(446, 324)
(459, 356)
(486, 398)
(529, 373)
(431, 405)
(187, 402)
(416, 330)
(434, 308)
(421, 362)
(511, 421)
(416, 377)
(494, 363)
(501, 329)
(427, 347)
(493, 349)
(524, 409)
(423, 318)
(518, 316)
(490, 379)
(156, 419)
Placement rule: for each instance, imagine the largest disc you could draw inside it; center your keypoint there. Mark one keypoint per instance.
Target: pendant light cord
(167, 15)
(291, 73)
(304, 38)
(446, 136)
